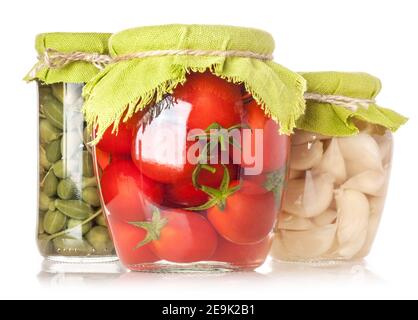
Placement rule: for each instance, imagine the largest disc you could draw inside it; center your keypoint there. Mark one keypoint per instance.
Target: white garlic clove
(374, 223)
(302, 137)
(333, 162)
(327, 217)
(306, 156)
(309, 197)
(385, 143)
(376, 205)
(349, 249)
(291, 222)
(296, 174)
(310, 243)
(369, 182)
(352, 220)
(361, 153)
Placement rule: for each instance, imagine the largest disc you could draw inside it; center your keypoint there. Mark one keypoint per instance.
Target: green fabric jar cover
(128, 85)
(336, 120)
(74, 72)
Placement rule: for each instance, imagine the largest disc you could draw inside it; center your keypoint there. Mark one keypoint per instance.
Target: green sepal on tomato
(127, 193)
(126, 237)
(238, 216)
(188, 194)
(178, 236)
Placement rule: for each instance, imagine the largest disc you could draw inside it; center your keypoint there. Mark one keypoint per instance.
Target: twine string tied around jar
(54, 59)
(348, 102)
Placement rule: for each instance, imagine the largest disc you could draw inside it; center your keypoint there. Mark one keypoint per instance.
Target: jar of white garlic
(339, 171)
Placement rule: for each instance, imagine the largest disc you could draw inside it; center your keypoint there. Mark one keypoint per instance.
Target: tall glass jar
(198, 160)
(71, 224)
(339, 173)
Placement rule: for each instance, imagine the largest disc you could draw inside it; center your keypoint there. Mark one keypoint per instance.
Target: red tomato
(181, 236)
(160, 149)
(255, 184)
(266, 182)
(245, 256)
(119, 142)
(127, 193)
(126, 237)
(213, 180)
(276, 147)
(186, 195)
(246, 219)
(103, 158)
(213, 100)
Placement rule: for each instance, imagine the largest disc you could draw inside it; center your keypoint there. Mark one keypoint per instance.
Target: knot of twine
(350, 103)
(54, 59)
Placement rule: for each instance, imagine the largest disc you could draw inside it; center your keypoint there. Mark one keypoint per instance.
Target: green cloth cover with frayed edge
(75, 72)
(132, 85)
(333, 120)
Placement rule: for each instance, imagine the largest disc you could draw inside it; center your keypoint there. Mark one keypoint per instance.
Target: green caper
(53, 151)
(90, 195)
(48, 132)
(54, 221)
(101, 220)
(89, 182)
(70, 246)
(44, 201)
(99, 238)
(53, 110)
(43, 161)
(52, 206)
(58, 91)
(87, 164)
(75, 209)
(78, 229)
(67, 190)
(60, 169)
(50, 184)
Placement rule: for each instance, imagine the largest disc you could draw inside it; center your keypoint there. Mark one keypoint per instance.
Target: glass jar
(340, 165)
(198, 142)
(335, 196)
(71, 224)
(170, 204)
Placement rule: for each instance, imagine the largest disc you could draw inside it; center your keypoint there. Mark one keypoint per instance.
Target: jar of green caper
(71, 224)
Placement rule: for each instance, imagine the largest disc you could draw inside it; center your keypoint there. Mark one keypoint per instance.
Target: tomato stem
(152, 227)
(217, 196)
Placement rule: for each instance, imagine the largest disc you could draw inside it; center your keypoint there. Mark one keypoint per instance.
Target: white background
(379, 37)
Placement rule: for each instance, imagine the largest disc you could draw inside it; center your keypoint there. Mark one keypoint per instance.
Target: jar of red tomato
(195, 121)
